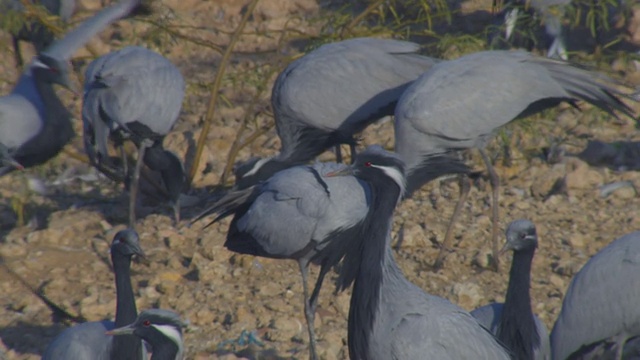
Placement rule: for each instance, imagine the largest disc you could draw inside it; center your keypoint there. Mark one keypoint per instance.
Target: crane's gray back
(602, 299)
(344, 85)
(133, 84)
(297, 197)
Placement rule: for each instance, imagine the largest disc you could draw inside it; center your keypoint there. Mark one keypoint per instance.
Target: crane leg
(125, 165)
(465, 186)
(313, 300)
(133, 187)
(309, 310)
(495, 184)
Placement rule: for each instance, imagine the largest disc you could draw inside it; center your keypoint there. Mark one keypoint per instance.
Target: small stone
(625, 193)
(576, 240)
(243, 315)
(270, 289)
(557, 281)
(468, 295)
(284, 328)
(414, 236)
(483, 257)
(204, 317)
(581, 176)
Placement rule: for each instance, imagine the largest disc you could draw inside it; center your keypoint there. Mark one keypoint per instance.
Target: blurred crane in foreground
(88, 340)
(32, 31)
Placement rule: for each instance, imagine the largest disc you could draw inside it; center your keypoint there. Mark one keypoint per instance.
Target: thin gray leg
(309, 313)
(465, 186)
(133, 187)
(495, 184)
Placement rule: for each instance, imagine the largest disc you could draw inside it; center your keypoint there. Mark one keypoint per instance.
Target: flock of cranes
(327, 213)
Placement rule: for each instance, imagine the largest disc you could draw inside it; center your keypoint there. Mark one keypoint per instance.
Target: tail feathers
(432, 167)
(232, 202)
(342, 244)
(243, 243)
(590, 86)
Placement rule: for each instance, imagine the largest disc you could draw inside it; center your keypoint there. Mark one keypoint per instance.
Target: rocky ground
(252, 306)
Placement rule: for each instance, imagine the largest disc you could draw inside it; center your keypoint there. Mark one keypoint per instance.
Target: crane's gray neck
(27, 87)
(125, 346)
(517, 328)
(373, 262)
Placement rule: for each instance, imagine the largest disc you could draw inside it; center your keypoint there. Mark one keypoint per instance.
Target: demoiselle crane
(600, 317)
(162, 329)
(513, 321)
(460, 104)
(332, 93)
(88, 340)
(136, 94)
(389, 317)
(34, 124)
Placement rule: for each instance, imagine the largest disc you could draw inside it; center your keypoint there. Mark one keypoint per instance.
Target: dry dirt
(62, 252)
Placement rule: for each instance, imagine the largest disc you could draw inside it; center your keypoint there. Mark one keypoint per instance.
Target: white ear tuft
(395, 174)
(39, 64)
(171, 332)
(257, 166)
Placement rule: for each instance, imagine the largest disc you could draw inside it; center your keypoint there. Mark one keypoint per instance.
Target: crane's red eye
(368, 164)
(146, 323)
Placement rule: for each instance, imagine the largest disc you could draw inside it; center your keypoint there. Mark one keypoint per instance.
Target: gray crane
(300, 214)
(459, 104)
(600, 317)
(162, 329)
(38, 34)
(136, 94)
(550, 13)
(296, 214)
(513, 321)
(88, 340)
(34, 124)
(324, 98)
(390, 317)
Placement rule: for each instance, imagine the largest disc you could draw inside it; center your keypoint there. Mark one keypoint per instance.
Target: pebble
(467, 295)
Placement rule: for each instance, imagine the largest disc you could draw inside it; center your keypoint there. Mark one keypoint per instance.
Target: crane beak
(507, 246)
(347, 171)
(125, 330)
(139, 252)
